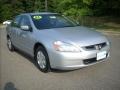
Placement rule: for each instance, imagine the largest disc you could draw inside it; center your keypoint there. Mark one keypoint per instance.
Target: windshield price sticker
(37, 17)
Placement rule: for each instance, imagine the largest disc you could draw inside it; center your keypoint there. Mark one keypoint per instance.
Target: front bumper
(70, 60)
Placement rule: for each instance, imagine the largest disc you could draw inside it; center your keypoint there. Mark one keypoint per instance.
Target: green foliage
(73, 8)
(38, 6)
(88, 2)
(7, 12)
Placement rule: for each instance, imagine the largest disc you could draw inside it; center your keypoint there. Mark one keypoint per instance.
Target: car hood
(79, 35)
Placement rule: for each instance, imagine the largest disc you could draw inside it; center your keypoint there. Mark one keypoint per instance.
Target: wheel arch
(40, 44)
(37, 45)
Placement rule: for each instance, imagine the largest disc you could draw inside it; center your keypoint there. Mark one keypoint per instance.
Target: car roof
(41, 13)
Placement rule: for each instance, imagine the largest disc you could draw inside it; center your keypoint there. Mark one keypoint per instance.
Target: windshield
(52, 21)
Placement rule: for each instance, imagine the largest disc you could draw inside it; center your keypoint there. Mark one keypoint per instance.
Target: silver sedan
(56, 41)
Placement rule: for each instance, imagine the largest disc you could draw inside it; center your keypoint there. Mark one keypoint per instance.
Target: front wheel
(42, 59)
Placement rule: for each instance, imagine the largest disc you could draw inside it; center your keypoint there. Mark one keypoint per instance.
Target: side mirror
(26, 28)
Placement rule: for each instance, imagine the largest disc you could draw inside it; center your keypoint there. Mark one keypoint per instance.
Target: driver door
(26, 39)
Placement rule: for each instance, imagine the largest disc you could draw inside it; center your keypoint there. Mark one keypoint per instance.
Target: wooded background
(72, 8)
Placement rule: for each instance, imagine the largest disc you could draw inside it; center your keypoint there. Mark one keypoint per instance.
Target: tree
(73, 8)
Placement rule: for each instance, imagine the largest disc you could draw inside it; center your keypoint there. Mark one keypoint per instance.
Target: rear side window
(16, 21)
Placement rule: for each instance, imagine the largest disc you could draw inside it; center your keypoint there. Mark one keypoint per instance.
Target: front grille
(89, 61)
(96, 46)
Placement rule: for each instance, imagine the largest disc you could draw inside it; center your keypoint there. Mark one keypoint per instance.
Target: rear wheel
(9, 44)
(42, 59)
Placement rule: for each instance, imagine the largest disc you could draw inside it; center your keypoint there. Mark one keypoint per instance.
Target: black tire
(46, 59)
(10, 45)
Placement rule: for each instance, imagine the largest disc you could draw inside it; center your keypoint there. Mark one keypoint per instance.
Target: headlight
(65, 47)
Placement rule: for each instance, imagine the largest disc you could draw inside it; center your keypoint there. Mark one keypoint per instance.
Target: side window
(16, 21)
(25, 21)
